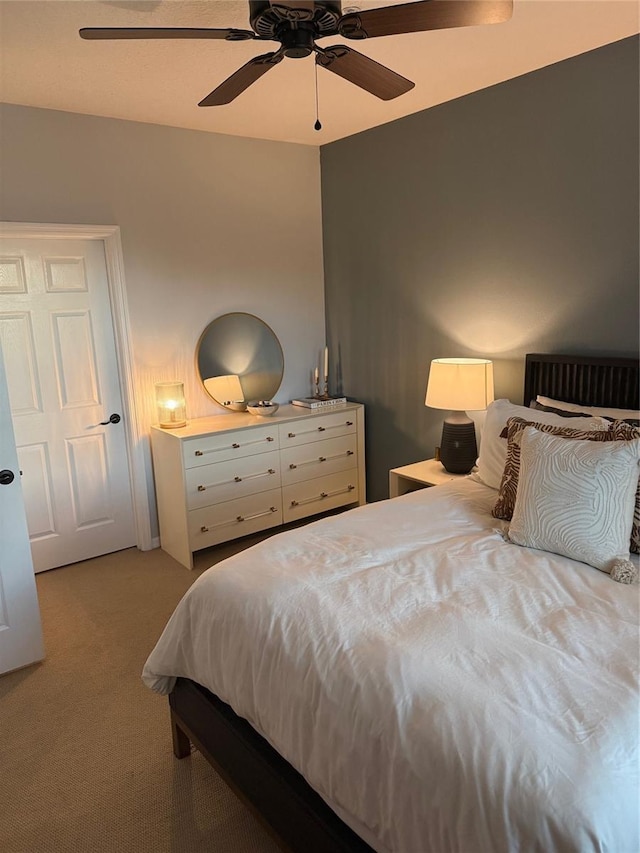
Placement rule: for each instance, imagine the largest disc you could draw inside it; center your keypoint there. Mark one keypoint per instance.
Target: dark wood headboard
(586, 380)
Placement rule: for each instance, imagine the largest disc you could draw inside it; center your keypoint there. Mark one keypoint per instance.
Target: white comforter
(442, 689)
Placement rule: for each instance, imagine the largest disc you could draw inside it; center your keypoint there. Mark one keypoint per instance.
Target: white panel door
(20, 630)
(57, 335)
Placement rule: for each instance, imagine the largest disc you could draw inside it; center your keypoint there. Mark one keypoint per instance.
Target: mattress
(440, 687)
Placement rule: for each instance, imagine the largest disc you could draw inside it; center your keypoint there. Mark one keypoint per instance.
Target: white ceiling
(45, 63)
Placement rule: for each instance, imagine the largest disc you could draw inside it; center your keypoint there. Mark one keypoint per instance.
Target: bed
(471, 735)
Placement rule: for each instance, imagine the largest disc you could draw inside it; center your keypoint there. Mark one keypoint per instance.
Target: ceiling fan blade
(96, 33)
(364, 72)
(424, 15)
(241, 79)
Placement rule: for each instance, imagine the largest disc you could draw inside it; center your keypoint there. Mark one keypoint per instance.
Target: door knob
(113, 419)
(6, 477)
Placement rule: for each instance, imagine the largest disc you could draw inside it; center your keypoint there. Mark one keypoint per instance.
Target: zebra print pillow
(624, 432)
(509, 484)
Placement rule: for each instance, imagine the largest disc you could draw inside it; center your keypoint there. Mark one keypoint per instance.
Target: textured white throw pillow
(576, 498)
(493, 449)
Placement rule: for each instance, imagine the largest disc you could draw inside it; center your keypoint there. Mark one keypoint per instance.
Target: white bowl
(263, 408)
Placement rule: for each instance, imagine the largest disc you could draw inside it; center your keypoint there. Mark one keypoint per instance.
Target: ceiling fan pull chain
(317, 125)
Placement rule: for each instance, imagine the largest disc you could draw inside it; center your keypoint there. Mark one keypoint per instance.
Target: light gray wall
(498, 224)
(209, 223)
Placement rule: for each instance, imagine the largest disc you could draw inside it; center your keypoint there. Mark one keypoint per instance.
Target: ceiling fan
(296, 24)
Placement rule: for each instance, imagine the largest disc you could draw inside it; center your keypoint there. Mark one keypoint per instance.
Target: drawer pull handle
(236, 446)
(238, 479)
(323, 495)
(320, 429)
(256, 515)
(321, 459)
(237, 519)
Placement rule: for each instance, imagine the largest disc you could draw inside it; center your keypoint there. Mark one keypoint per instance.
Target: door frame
(134, 434)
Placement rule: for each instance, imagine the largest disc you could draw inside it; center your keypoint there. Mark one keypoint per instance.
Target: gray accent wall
(502, 223)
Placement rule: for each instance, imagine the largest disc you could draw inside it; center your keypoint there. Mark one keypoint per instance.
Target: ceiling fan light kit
(297, 24)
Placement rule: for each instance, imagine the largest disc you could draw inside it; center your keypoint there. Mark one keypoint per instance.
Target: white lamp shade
(460, 384)
(225, 389)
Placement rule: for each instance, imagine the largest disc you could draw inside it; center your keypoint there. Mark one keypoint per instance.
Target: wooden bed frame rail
(295, 815)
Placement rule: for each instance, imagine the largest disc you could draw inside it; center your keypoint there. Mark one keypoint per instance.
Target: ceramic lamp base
(458, 448)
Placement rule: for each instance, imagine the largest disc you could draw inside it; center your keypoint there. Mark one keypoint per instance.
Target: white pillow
(596, 411)
(493, 449)
(576, 498)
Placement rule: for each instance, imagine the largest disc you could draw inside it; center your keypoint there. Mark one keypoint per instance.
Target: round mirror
(239, 359)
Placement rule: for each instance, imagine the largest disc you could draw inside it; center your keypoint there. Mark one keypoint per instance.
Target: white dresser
(223, 477)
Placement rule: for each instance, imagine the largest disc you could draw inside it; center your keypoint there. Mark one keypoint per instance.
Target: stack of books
(319, 402)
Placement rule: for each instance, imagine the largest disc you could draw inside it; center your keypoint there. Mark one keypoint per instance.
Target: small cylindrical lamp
(172, 410)
(461, 385)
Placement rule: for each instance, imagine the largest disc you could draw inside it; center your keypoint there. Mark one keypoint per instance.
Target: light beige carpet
(85, 748)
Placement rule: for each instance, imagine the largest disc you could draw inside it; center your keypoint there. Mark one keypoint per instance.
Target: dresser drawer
(317, 428)
(219, 523)
(226, 481)
(320, 494)
(319, 458)
(218, 447)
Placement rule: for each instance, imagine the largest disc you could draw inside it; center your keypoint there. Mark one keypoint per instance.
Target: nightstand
(420, 475)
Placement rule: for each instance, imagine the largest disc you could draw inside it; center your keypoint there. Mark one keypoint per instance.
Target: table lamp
(172, 411)
(460, 385)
